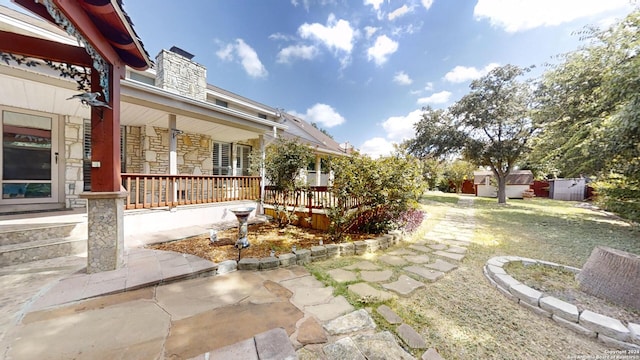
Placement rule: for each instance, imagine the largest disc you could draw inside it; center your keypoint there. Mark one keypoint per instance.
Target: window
(141, 78)
(242, 160)
(221, 158)
(262, 116)
(222, 103)
(86, 157)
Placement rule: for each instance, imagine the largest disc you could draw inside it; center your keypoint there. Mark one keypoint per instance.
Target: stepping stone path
(401, 271)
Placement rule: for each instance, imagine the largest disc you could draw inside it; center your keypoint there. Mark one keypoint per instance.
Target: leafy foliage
(411, 220)
(489, 127)
(458, 171)
(588, 114)
(282, 164)
(384, 189)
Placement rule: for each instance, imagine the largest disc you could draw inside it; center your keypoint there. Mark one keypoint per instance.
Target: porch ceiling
(138, 115)
(47, 92)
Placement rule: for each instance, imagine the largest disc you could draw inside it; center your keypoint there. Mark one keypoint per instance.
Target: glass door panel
(28, 166)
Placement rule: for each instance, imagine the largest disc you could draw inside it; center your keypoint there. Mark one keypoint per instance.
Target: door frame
(57, 158)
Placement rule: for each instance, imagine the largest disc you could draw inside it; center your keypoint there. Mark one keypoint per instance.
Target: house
(518, 181)
(184, 144)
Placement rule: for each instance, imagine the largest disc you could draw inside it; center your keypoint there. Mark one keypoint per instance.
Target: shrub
(411, 220)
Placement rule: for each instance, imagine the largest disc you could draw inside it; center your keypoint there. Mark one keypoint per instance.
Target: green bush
(619, 194)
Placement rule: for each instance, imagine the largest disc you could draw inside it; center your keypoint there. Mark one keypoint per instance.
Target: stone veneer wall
(180, 75)
(73, 156)
(193, 152)
(133, 149)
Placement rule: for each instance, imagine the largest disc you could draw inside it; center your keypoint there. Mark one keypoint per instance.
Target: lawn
(464, 317)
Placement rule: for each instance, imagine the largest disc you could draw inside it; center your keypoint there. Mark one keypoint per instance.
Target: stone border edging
(608, 330)
(316, 253)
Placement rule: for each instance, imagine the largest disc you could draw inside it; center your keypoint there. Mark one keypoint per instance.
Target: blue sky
(363, 69)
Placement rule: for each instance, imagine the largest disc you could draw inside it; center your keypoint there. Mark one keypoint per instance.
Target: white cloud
(377, 147)
(437, 98)
(400, 128)
(375, 3)
(322, 114)
(521, 15)
(249, 59)
(336, 35)
(226, 53)
(246, 55)
(428, 86)
(402, 78)
(281, 36)
(381, 50)
(306, 52)
(401, 11)
(463, 73)
(427, 4)
(370, 30)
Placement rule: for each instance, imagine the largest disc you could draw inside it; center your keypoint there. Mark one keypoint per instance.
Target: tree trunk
(613, 275)
(502, 189)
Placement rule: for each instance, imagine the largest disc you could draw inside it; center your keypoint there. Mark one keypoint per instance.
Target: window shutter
(123, 147)
(86, 160)
(221, 158)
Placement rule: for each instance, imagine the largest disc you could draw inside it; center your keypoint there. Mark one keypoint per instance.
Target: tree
(283, 161)
(588, 111)
(489, 127)
(458, 171)
(588, 106)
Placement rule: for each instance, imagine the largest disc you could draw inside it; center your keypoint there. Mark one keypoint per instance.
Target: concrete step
(28, 232)
(14, 254)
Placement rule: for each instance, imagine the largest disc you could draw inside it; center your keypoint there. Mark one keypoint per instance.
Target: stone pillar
(105, 214)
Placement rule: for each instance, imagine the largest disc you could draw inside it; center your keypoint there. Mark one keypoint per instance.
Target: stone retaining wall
(319, 253)
(610, 331)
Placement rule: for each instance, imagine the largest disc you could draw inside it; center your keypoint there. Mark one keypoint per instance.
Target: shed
(518, 181)
(571, 189)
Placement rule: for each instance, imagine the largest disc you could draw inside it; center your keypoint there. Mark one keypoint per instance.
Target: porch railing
(161, 190)
(315, 197)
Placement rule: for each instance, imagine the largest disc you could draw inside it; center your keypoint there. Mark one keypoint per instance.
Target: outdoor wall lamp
(176, 132)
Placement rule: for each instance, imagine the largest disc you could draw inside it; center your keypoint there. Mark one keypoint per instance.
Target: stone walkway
(284, 313)
(397, 272)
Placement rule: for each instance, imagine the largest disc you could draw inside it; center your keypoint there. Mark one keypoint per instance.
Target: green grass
(462, 316)
(552, 230)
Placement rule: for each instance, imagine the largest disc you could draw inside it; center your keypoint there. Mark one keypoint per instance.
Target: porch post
(173, 145)
(173, 155)
(318, 171)
(105, 202)
(262, 174)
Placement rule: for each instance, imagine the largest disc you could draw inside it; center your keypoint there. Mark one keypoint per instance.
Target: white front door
(29, 157)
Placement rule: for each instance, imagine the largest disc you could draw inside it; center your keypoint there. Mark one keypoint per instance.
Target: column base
(105, 216)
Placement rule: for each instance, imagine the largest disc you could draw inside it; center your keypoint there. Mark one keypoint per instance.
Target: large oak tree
(490, 126)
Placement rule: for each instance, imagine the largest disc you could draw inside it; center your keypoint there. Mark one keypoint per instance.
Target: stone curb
(319, 253)
(608, 330)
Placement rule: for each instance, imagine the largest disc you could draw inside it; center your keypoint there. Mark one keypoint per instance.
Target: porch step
(14, 254)
(28, 232)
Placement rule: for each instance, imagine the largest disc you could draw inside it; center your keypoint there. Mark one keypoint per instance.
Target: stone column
(105, 214)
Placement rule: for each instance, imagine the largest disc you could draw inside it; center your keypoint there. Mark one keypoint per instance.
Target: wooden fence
(314, 197)
(161, 190)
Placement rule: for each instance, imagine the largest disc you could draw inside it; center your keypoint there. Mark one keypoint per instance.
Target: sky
(364, 69)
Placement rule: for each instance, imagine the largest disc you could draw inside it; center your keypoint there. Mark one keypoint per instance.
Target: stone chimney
(177, 73)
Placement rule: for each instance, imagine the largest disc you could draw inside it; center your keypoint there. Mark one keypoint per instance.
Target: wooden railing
(161, 190)
(315, 197)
